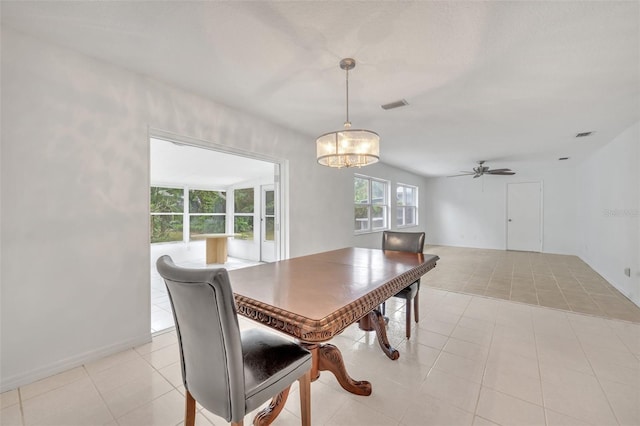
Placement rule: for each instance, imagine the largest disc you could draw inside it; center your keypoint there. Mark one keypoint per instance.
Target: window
(167, 209)
(243, 213)
(371, 199)
(407, 205)
(269, 215)
(207, 212)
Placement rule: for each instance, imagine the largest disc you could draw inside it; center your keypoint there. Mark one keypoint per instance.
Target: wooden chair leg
(408, 321)
(190, 410)
(416, 309)
(305, 398)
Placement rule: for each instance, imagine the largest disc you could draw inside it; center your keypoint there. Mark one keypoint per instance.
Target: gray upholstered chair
(229, 372)
(411, 242)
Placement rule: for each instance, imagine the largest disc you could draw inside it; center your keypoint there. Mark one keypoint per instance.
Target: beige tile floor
(471, 360)
(552, 280)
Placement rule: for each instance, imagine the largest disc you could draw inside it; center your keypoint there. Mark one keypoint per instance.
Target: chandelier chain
(347, 123)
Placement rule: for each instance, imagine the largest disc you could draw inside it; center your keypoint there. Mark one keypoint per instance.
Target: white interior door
(268, 225)
(524, 216)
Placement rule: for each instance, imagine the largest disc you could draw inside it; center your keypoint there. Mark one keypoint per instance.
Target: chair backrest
(403, 241)
(208, 335)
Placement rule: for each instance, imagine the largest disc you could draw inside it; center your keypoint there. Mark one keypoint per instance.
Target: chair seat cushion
(409, 292)
(268, 359)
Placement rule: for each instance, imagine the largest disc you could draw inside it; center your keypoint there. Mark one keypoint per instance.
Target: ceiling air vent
(583, 134)
(396, 104)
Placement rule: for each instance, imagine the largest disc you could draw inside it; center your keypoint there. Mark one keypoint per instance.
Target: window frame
(252, 214)
(370, 205)
(188, 214)
(185, 213)
(176, 213)
(404, 207)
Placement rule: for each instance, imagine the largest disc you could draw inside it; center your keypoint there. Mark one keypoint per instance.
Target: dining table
(315, 297)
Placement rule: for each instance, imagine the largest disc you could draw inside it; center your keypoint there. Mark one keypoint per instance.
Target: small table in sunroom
(216, 246)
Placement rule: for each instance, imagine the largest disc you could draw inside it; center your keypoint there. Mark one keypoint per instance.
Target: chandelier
(348, 147)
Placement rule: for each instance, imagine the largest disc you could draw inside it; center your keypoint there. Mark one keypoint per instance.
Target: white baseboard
(17, 380)
(502, 248)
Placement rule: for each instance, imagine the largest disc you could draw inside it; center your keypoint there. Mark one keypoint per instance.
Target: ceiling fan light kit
(348, 147)
(482, 170)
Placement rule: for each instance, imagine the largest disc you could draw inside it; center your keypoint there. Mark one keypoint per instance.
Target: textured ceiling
(507, 82)
(173, 164)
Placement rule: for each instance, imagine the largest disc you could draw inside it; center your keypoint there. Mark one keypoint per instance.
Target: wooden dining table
(314, 298)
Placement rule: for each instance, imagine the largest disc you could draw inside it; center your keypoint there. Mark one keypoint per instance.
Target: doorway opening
(204, 196)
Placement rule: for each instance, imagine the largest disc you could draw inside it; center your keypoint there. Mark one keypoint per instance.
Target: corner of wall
(609, 212)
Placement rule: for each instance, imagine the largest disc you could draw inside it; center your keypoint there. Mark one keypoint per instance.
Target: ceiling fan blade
(484, 170)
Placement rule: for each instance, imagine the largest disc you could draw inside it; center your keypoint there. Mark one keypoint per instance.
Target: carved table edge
(316, 331)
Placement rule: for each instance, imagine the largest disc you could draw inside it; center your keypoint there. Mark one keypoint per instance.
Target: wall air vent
(396, 104)
(583, 134)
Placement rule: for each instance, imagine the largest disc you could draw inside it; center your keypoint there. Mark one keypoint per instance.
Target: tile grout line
(561, 293)
(535, 341)
(615, 332)
(441, 350)
(113, 417)
(514, 396)
(595, 375)
(23, 421)
(589, 295)
(544, 408)
(484, 368)
(144, 404)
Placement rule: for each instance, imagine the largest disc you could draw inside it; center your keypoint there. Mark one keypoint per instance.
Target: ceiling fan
(484, 170)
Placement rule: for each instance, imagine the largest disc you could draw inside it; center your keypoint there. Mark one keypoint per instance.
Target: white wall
(468, 212)
(609, 211)
(75, 220)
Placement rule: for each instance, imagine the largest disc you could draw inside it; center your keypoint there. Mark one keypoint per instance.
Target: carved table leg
(327, 357)
(269, 414)
(377, 322)
(330, 359)
(365, 324)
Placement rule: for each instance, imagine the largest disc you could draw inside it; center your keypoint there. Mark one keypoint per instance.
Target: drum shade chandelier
(348, 147)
